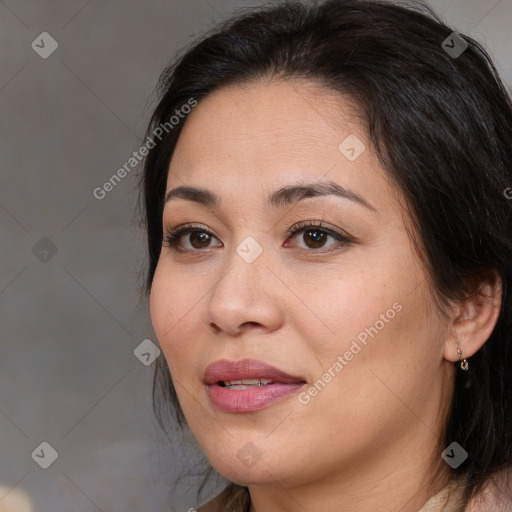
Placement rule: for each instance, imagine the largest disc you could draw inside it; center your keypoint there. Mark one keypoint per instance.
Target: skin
(371, 439)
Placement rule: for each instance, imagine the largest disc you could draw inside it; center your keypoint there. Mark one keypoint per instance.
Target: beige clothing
(448, 499)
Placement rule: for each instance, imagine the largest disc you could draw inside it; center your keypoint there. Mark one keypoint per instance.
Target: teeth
(245, 383)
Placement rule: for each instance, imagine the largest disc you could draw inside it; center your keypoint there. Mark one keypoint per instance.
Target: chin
(246, 466)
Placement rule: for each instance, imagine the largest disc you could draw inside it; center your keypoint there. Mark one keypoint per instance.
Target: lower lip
(250, 399)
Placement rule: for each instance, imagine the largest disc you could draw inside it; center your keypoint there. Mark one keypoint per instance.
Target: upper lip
(225, 370)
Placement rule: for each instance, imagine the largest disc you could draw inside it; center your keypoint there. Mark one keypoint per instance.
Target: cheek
(357, 306)
(162, 305)
(370, 322)
(173, 305)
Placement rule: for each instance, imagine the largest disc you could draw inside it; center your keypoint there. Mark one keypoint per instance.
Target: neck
(402, 482)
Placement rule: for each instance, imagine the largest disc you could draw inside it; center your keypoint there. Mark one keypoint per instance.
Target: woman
(330, 259)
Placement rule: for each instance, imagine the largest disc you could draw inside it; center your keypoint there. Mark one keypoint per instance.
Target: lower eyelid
(339, 242)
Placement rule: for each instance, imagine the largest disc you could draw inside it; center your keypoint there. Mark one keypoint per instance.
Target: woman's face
(343, 309)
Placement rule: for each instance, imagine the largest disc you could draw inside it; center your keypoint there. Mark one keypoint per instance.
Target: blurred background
(77, 85)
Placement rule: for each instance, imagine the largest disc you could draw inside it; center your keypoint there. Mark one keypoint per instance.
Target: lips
(247, 385)
(224, 370)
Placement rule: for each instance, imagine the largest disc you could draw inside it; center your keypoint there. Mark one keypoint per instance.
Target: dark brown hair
(442, 127)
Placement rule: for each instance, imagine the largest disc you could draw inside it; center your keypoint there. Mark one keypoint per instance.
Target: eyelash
(172, 237)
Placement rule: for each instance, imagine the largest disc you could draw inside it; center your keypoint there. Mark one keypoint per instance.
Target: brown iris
(202, 238)
(318, 237)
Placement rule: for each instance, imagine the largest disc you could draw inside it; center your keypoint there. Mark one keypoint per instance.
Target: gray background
(69, 325)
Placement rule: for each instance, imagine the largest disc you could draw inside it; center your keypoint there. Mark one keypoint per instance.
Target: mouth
(247, 385)
(244, 383)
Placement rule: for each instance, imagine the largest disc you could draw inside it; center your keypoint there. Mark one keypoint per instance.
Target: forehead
(264, 135)
(265, 119)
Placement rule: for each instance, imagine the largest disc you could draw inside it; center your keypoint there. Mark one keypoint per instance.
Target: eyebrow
(278, 199)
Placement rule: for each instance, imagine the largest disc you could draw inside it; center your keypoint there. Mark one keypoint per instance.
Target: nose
(244, 297)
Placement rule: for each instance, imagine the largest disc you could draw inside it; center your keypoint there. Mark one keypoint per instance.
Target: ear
(473, 321)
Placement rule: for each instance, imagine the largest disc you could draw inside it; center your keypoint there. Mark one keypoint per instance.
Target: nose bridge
(243, 294)
(245, 266)
(249, 249)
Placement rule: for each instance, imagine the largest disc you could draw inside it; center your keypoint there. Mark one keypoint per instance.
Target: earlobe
(464, 365)
(473, 322)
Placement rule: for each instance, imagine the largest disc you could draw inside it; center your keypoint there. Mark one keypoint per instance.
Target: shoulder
(496, 494)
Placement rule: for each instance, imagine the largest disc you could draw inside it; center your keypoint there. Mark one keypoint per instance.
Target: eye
(315, 235)
(200, 239)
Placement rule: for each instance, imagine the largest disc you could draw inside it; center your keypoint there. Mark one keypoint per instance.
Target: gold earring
(463, 364)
